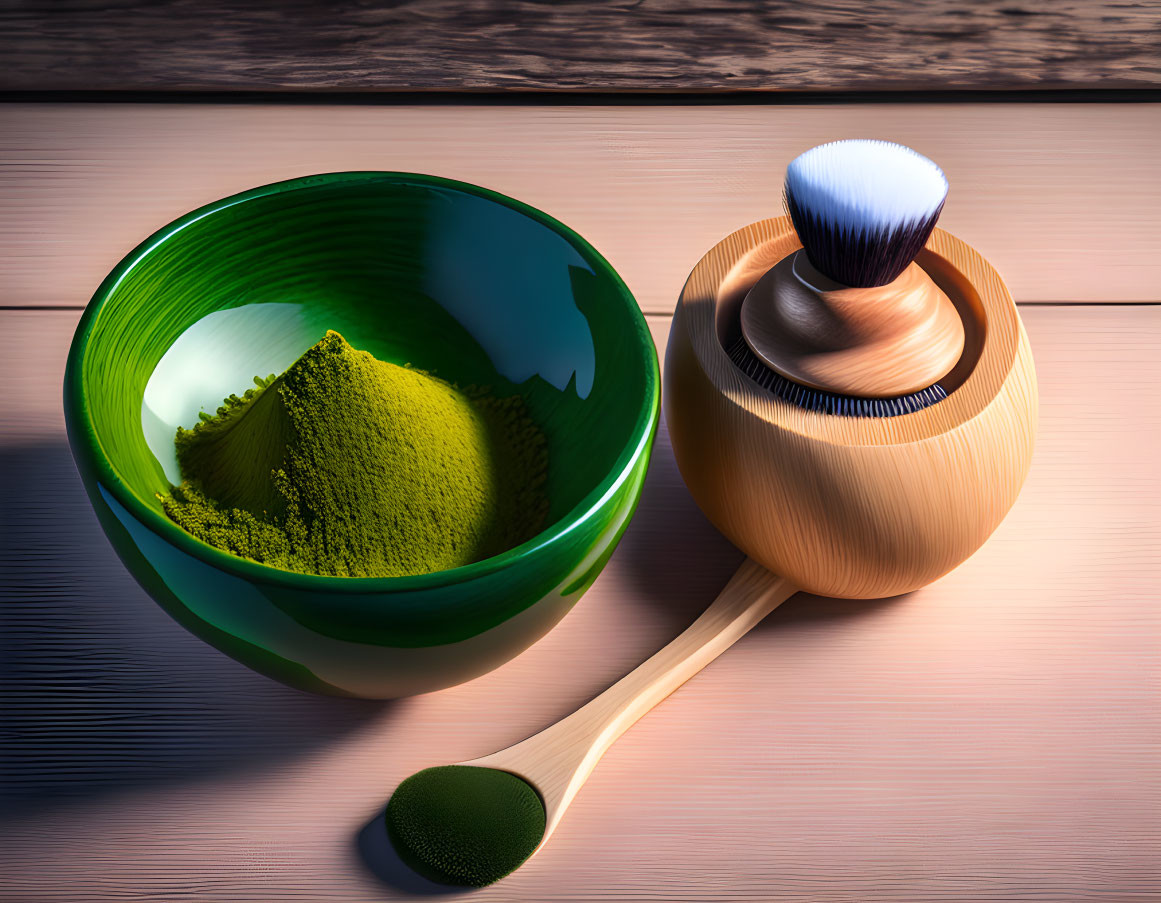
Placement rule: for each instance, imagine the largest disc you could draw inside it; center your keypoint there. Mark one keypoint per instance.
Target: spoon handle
(559, 759)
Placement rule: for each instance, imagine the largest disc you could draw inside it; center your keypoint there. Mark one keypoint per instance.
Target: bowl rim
(85, 442)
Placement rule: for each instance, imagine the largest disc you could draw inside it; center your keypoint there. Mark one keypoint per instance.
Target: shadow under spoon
(473, 823)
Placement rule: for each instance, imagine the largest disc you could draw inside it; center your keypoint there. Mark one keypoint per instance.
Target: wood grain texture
(859, 507)
(559, 759)
(1065, 200)
(995, 736)
(654, 45)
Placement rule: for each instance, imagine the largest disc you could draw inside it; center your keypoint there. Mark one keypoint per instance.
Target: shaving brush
(851, 314)
(849, 390)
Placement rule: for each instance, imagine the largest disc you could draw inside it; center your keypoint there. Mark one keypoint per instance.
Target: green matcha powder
(349, 466)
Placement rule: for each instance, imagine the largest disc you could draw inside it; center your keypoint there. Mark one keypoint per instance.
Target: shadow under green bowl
(455, 279)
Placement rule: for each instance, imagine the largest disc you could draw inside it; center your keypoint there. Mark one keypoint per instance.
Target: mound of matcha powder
(346, 465)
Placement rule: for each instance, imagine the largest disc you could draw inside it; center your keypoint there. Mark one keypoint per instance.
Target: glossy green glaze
(468, 284)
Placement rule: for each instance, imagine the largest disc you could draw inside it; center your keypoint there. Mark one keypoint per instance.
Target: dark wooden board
(617, 45)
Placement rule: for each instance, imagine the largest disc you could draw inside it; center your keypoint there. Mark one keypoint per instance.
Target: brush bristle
(828, 402)
(863, 209)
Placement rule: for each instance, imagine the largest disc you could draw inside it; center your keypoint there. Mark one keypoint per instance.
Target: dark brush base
(828, 402)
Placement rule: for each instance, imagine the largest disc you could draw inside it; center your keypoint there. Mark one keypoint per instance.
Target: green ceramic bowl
(461, 281)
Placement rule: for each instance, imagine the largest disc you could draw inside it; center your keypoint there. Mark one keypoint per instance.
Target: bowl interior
(469, 285)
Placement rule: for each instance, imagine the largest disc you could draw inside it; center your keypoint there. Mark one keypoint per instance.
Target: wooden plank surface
(1065, 199)
(995, 736)
(650, 45)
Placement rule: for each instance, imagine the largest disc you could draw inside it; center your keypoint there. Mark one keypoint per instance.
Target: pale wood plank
(995, 736)
(1064, 199)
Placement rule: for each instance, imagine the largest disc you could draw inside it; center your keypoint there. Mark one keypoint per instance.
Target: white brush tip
(866, 186)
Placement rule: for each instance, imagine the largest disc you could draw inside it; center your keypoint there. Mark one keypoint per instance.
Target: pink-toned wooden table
(995, 736)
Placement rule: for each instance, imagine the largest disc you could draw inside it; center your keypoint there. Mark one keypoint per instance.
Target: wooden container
(848, 506)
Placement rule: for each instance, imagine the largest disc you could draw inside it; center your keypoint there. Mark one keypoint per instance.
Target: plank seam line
(663, 313)
(1148, 93)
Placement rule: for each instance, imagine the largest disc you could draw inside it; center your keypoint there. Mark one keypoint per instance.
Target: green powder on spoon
(346, 465)
(465, 825)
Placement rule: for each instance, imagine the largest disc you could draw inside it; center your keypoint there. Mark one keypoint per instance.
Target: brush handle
(559, 759)
(879, 342)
